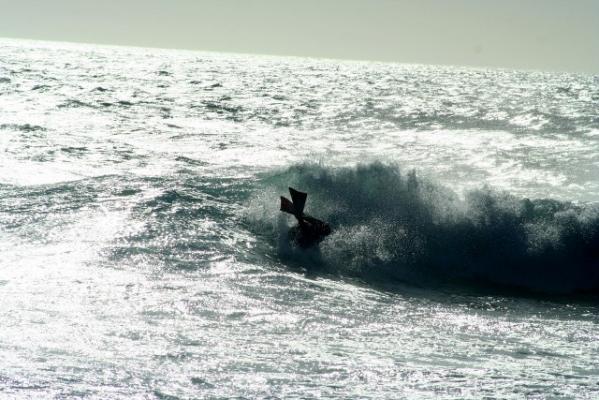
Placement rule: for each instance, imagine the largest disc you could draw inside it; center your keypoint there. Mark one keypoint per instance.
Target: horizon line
(310, 57)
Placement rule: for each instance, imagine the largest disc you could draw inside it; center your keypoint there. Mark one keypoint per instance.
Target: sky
(556, 35)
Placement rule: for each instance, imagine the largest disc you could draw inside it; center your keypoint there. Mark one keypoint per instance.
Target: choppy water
(142, 246)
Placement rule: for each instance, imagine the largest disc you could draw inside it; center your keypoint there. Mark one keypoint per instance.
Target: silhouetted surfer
(309, 230)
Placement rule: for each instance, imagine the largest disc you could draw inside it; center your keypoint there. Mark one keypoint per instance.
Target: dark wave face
(393, 226)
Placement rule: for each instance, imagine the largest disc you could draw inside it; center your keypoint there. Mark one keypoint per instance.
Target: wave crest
(390, 225)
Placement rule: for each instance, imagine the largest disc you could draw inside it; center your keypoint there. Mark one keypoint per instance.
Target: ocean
(144, 256)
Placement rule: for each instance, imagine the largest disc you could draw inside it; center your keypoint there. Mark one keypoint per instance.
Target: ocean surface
(144, 256)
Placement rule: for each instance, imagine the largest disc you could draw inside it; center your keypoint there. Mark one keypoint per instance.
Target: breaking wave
(390, 225)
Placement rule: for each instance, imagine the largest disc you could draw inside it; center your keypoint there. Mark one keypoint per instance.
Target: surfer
(309, 230)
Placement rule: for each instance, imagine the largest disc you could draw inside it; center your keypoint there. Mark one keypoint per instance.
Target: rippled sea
(143, 254)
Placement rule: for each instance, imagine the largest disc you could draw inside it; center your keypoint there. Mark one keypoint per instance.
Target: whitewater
(143, 253)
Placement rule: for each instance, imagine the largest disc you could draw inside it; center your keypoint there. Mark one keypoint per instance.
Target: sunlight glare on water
(139, 227)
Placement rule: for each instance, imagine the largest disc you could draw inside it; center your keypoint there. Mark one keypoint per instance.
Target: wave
(22, 127)
(388, 225)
